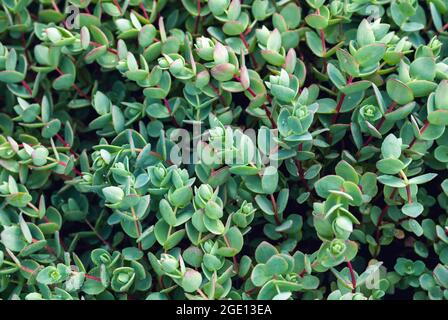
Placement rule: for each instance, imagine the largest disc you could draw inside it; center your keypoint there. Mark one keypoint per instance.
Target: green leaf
(51, 128)
(167, 212)
(370, 54)
(391, 147)
(390, 165)
(423, 178)
(399, 92)
(412, 210)
(264, 252)
(391, 181)
(347, 62)
(441, 275)
(264, 204)
(191, 280)
(327, 183)
(12, 238)
(269, 180)
(181, 196)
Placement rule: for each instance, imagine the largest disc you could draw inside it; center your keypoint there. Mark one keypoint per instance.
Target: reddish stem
(322, 39)
(248, 30)
(269, 115)
(340, 102)
(97, 234)
(352, 275)
(408, 193)
(392, 194)
(216, 91)
(300, 171)
(423, 129)
(322, 36)
(252, 92)
(55, 6)
(80, 92)
(167, 105)
(445, 26)
(65, 144)
(26, 269)
(27, 87)
(380, 124)
(88, 276)
(251, 56)
(48, 248)
(274, 208)
(235, 262)
(158, 155)
(118, 6)
(380, 220)
(57, 135)
(338, 108)
(79, 173)
(96, 44)
(145, 13)
(378, 225)
(137, 227)
(198, 17)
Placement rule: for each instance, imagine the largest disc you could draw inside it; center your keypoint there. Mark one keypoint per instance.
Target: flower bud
(122, 279)
(262, 35)
(159, 172)
(301, 112)
(205, 48)
(113, 194)
(244, 216)
(53, 34)
(435, 45)
(87, 177)
(220, 54)
(337, 247)
(203, 194)
(342, 227)
(39, 156)
(169, 263)
(55, 275)
(213, 210)
(336, 7)
(163, 63)
(177, 66)
(370, 113)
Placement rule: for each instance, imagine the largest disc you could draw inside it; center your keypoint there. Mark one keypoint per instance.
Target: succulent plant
(223, 149)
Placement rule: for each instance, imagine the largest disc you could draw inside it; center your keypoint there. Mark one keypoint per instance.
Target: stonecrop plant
(223, 149)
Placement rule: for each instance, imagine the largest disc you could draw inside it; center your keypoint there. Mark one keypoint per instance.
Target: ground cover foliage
(340, 193)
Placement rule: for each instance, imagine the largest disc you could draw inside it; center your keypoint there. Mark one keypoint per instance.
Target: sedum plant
(223, 149)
